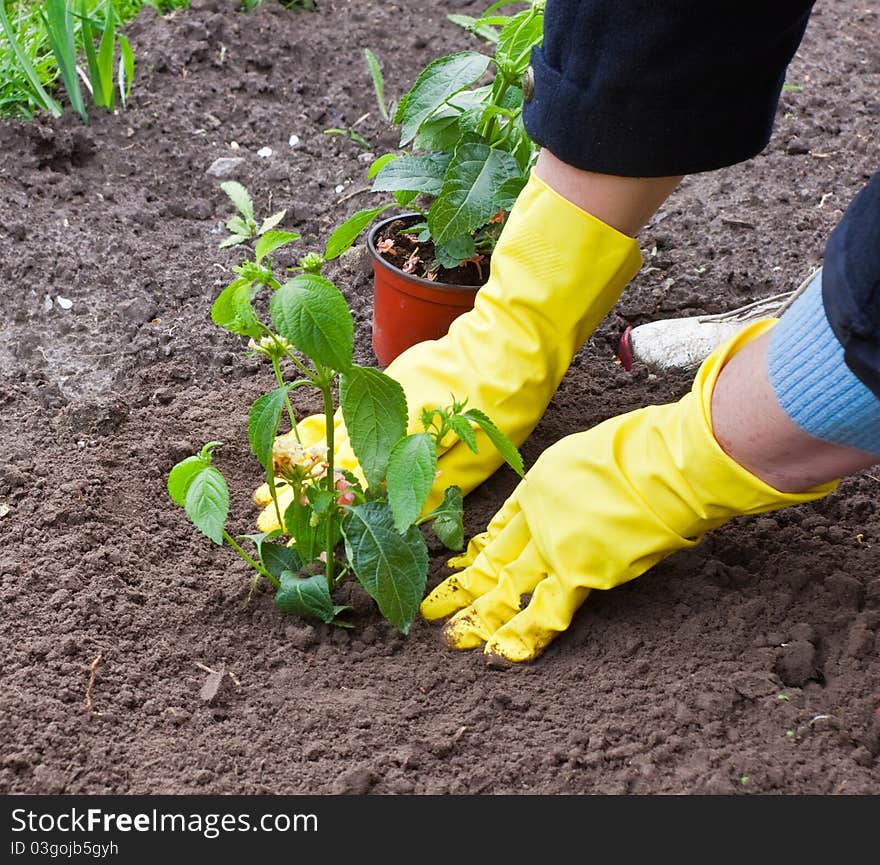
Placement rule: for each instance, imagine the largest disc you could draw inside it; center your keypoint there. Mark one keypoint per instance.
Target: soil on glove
(749, 664)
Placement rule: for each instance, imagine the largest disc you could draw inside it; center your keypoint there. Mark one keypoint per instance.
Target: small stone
(355, 260)
(63, 302)
(340, 187)
(225, 166)
(754, 685)
(293, 140)
(212, 686)
(264, 152)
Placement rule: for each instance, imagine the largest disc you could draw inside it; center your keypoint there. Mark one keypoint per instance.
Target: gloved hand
(556, 271)
(598, 509)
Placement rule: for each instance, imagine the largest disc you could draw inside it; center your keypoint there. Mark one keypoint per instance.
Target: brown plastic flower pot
(409, 309)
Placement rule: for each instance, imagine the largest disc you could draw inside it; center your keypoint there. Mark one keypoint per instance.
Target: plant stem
(489, 128)
(276, 365)
(254, 564)
(326, 390)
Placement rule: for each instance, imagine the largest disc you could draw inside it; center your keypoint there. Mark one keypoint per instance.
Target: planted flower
(329, 519)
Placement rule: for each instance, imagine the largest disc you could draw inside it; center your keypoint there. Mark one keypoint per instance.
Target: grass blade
(88, 36)
(378, 82)
(106, 51)
(126, 69)
(26, 67)
(59, 29)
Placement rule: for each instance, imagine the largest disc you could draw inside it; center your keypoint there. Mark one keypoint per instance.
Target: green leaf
(448, 519)
(240, 197)
(441, 132)
(106, 51)
(232, 310)
(305, 596)
(271, 221)
(181, 476)
(311, 312)
(233, 240)
(516, 40)
(378, 81)
(27, 68)
(277, 558)
(298, 520)
(438, 81)
(502, 443)
(237, 225)
(60, 35)
(272, 240)
(470, 23)
(378, 164)
(392, 567)
(320, 499)
(258, 540)
(126, 69)
(263, 421)
(207, 503)
(451, 253)
(413, 173)
(405, 197)
(374, 410)
(468, 198)
(88, 39)
(346, 234)
(411, 467)
(509, 191)
(463, 429)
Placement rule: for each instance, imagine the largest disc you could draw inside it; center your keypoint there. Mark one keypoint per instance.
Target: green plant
(356, 137)
(385, 109)
(23, 70)
(243, 225)
(62, 39)
(467, 153)
(336, 522)
(101, 63)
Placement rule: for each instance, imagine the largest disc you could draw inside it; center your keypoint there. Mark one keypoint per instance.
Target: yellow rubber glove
(556, 271)
(598, 509)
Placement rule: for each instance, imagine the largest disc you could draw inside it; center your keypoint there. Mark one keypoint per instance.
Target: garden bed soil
(747, 665)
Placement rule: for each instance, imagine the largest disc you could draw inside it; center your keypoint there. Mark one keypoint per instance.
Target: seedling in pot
(361, 519)
(463, 150)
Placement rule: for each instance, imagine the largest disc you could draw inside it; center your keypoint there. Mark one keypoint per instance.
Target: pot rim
(420, 280)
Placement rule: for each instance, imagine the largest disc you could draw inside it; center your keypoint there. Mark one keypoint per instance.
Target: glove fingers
(547, 615)
(475, 546)
(479, 542)
(460, 590)
(263, 495)
(268, 521)
(476, 624)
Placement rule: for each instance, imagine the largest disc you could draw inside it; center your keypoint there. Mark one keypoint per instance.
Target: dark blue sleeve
(851, 284)
(643, 88)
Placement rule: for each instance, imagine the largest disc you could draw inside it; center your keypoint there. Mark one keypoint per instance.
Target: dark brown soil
(408, 254)
(748, 665)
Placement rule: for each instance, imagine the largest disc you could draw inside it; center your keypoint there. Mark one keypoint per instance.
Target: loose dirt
(132, 660)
